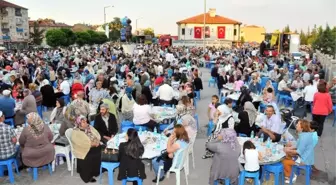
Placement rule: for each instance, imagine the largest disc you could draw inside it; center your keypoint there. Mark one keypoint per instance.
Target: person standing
(322, 106)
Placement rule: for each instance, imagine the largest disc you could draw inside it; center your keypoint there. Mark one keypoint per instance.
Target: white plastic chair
(191, 151)
(68, 134)
(65, 150)
(176, 168)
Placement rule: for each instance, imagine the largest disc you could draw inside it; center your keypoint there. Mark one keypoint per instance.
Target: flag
(274, 38)
(221, 32)
(197, 32)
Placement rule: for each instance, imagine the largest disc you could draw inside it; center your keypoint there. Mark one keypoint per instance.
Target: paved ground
(324, 157)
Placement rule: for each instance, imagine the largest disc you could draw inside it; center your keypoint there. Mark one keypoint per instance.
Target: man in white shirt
(169, 57)
(64, 86)
(316, 80)
(306, 75)
(309, 92)
(271, 126)
(165, 93)
(283, 87)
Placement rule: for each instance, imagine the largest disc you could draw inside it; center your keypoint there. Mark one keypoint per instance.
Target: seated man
(283, 87)
(271, 126)
(165, 94)
(106, 123)
(8, 139)
(7, 104)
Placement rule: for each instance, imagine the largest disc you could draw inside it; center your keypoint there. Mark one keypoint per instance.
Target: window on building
(26, 34)
(18, 12)
(183, 31)
(235, 32)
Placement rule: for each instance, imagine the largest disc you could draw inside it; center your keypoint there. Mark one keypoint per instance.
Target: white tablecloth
(296, 95)
(161, 113)
(235, 96)
(269, 156)
(148, 139)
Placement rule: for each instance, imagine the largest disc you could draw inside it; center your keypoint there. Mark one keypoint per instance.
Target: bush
(56, 38)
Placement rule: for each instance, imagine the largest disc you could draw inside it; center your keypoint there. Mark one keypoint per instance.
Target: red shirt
(322, 104)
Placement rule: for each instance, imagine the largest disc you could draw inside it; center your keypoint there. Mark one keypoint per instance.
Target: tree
(325, 41)
(114, 35)
(286, 29)
(116, 24)
(242, 39)
(37, 34)
(149, 31)
(102, 38)
(56, 38)
(312, 37)
(70, 36)
(303, 38)
(83, 38)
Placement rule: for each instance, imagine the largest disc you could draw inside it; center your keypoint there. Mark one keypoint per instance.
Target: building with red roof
(216, 28)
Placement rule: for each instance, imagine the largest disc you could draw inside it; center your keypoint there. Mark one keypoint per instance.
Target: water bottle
(252, 134)
(158, 143)
(261, 137)
(274, 150)
(268, 145)
(155, 130)
(140, 130)
(117, 140)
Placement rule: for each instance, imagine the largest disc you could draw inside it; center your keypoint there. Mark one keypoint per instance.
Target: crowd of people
(106, 86)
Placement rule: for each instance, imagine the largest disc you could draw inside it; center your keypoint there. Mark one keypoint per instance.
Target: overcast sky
(162, 15)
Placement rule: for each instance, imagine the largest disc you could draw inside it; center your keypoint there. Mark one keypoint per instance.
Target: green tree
(303, 38)
(56, 38)
(326, 41)
(116, 24)
(114, 35)
(83, 38)
(37, 34)
(70, 35)
(312, 36)
(149, 31)
(242, 39)
(286, 29)
(102, 38)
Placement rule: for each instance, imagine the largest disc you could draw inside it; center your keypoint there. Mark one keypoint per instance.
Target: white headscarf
(251, 112)
(45, 82)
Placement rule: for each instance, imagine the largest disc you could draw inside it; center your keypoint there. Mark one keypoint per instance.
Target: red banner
(221, 32)
(198, 32)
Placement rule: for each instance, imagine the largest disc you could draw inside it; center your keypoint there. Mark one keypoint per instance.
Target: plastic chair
(263, 82)
(35, 173)
(226, 180)
(176, 168)
(196, 118)
(40, 110)
(92, 123)
(62, 151)
(212, 80)
(275, 86)
(191, 151)
(110, 168)
(295, 168)
(127, 124)
(125, 129)
(334, 109)
(244, 174)
(242, 135)
(10, 121)
(211, 126)
(131, 179)
(68, 134)
(198, 94)
(9, 163)
(67, 99)
(163, 127)
(195, 102)
(277, 169)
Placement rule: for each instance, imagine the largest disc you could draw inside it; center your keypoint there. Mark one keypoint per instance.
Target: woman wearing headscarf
(85, 140)
(57, 115)
(88, 76)
(244, 97)
(224, 119)
(226, 151)
(35, 141)
(48, 94)
(88, 87)
(76, 87)
(28, 106)
(127, 103)
(247, 119)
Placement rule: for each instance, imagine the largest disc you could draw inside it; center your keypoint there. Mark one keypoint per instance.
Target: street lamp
(136, 23)
(204, 25)
(105, 13)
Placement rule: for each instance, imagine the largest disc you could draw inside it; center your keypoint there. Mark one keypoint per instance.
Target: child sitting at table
(213, 107)
(252, 157)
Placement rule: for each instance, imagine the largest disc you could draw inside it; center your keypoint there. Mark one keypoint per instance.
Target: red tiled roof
(8, 4)
(49, 24)
(199, 19)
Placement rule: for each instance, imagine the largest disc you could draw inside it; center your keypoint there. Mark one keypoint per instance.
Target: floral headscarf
(229, 136)
(36, 125)
(87, 130)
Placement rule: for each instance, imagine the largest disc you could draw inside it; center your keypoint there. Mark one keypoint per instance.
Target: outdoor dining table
(159, 113)
(270, 154)
(235, 97)
(154, 143)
